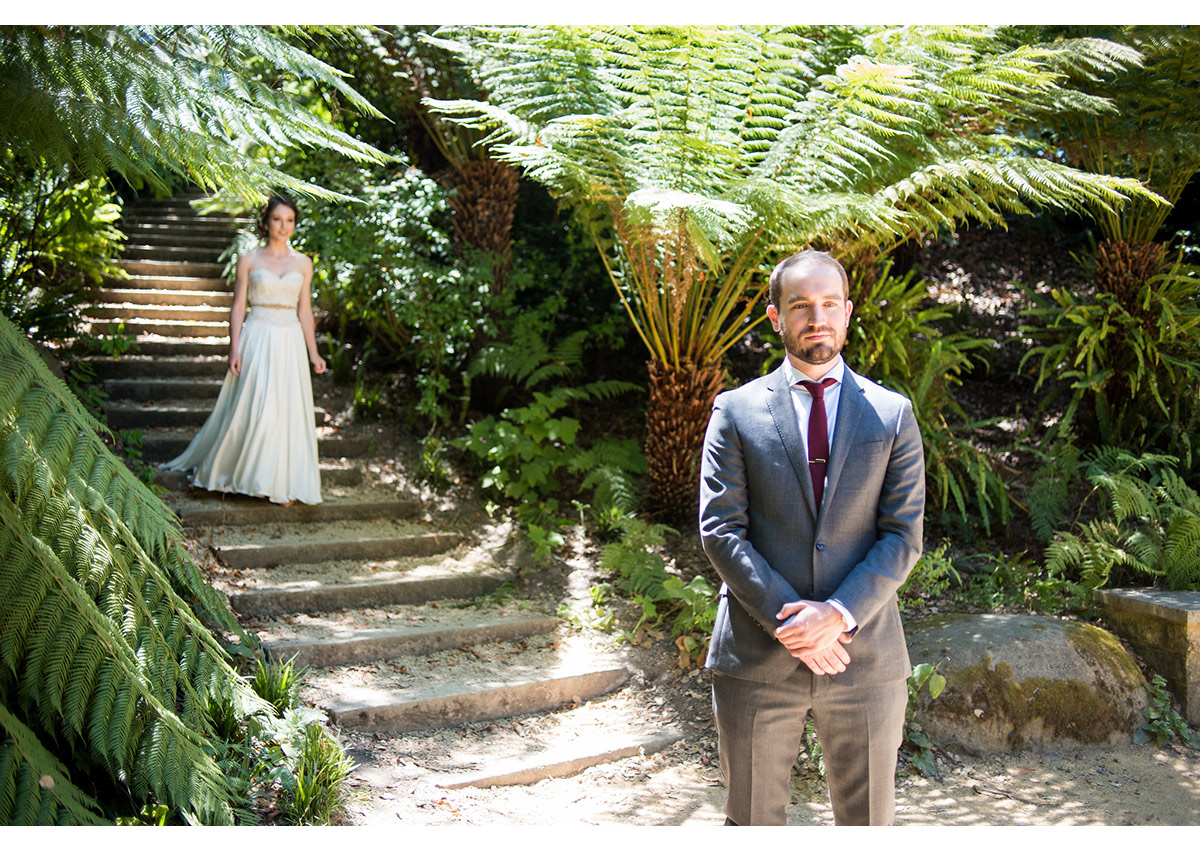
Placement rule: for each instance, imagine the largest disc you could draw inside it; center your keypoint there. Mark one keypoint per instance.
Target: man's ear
(849, 309)
(773, 315)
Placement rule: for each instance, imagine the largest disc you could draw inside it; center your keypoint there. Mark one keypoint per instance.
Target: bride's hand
(235, 364)
(318, 363)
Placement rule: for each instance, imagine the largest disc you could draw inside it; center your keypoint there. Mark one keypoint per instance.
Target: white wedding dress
(260, 438)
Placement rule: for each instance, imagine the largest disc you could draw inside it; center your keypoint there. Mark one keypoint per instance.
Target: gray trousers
(761, 726)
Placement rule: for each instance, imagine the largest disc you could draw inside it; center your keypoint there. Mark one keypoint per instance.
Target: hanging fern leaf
(101, 651)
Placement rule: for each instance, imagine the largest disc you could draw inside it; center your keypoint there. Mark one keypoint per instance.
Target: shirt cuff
(851, 623)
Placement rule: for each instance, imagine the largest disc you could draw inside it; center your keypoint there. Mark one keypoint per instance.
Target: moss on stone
(1064, 708)
(1091, 642)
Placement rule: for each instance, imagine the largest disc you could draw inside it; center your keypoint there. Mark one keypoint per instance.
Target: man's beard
(814, 353)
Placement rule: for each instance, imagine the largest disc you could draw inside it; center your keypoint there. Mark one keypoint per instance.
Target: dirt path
(1132, 785)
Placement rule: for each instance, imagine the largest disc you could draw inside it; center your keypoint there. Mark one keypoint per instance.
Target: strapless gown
(260, 438)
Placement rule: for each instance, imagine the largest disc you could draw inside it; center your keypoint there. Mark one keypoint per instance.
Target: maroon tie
(818, 435)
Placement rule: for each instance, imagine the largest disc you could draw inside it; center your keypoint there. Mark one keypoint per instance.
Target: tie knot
(816, 389)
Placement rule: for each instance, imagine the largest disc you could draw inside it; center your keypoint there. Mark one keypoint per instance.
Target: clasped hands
(814, 633)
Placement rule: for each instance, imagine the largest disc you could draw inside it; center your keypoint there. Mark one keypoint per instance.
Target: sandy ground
(1130, 785)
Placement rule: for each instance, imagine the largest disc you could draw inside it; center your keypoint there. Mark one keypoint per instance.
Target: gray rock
(1026, 682)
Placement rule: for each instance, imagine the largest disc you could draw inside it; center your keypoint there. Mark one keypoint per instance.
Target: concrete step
(167, 283)
(161, 444)
(148, 366)
(155, 314)
(171, 268)
(161, 298)
(307, 550)
(164, 328)
(504, 693)
(182, 237)
(382, 634)
(168, 414)
(237, 510)
(350, 584)
(566, 758)
(171, 253)
(163, 223)
(333, 474)
(157, 346)
(151, 389)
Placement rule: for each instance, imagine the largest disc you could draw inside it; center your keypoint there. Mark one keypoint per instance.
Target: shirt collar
(836, 372)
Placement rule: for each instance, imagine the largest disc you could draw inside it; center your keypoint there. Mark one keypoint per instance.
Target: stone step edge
(259, 555)
(385, 644)
(241, 514)
(365, 595)
(477, 705)
(331, 474)
(561, 761)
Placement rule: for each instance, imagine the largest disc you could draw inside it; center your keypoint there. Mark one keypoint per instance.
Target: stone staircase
(418, 624)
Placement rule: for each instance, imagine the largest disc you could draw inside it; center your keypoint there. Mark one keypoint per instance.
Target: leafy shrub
(1130, 369)
(58, 241)
(916, 744)
(931, 577)
(527, 451)
(1139, 522)
(1163, 722)
(1018, 583)
(278, 683)
(895, 340)
(641, 572)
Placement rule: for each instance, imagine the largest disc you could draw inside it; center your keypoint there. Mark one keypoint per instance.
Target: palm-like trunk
(677, 413)
(484, 203)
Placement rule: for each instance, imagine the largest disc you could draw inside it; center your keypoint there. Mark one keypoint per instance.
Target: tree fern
(35, 787)
(100, 651)
(700, 156)
(165, 104)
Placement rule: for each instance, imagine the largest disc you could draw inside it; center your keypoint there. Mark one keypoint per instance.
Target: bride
(260, 439)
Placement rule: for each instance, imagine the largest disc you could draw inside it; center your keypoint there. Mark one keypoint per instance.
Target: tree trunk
(484, 203)
(677, 413)
(1123, 268)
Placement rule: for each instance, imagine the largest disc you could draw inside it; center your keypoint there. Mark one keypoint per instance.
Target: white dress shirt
(802, 402)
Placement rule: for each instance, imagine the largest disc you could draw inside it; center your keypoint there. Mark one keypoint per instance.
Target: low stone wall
(1163, 628)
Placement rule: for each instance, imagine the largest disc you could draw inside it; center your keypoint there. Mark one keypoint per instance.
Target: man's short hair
(808, 255)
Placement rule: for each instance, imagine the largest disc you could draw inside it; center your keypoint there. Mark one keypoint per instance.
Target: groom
(811, 500)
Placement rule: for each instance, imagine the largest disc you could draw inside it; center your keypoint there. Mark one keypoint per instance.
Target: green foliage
(58, 238)
(1134, 369)
(278, 682)
(916, 743)
(528, 450)
(313, 780)
(387, 268)
(639, 571)
(931, 578)
(1017, 583)
(1163, 723)
(710, 150)
(1139, 522)
(895, 340)
(168, 105)
(102, 655)
(1150, 133)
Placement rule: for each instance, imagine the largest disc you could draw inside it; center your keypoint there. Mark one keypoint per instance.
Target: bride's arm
(237, 313)
(307, 323)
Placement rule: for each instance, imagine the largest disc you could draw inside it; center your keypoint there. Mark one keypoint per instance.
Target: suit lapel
(783, 412)
(851, 404)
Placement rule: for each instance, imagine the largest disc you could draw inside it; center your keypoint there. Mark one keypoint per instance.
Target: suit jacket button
(820, 546)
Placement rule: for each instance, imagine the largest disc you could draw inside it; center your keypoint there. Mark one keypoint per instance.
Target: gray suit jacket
(762, 531)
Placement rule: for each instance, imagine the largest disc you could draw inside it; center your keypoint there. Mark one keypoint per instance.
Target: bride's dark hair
(273, 202)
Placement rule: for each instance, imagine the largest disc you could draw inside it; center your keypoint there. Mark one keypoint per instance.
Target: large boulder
(1026, 682)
